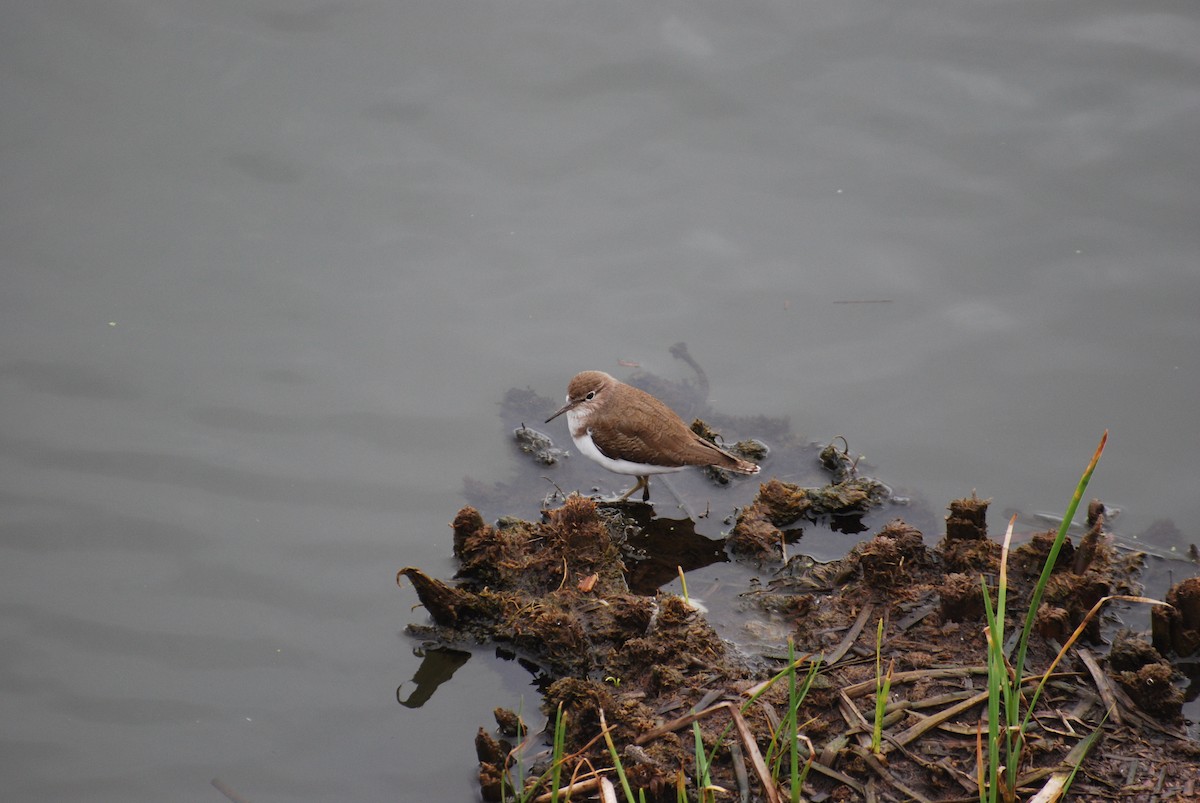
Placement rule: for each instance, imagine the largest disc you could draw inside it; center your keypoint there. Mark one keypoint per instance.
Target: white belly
(588, 449)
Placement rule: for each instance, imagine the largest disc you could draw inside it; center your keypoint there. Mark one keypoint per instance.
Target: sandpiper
(628, 431)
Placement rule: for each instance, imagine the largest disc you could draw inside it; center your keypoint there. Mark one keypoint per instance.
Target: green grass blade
(703, 763)
(612, 751)
(1036, 599)
(792, 726)
(560, 737)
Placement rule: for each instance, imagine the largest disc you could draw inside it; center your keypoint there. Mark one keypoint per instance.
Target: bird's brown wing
(669, 443)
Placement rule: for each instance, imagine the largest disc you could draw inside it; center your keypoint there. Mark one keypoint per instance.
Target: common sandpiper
(628, 431)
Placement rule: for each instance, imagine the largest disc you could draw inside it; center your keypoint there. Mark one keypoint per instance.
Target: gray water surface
(268, 269)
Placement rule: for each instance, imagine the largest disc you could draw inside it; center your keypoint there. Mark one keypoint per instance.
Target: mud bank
(555, 592)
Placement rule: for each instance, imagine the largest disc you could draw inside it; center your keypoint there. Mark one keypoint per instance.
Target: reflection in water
(851, 524)
(663, 546)
(437, 666)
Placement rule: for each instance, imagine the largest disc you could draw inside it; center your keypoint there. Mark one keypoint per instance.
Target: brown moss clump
(1027, 560)
(680, 650)
(752, 450)
(1053, 622)
(968, 519)
(1076, 594)
(1152, 689)
(1177, 629)
(581, 700)
(754, 535)
(1131, 652)
(492, 755)
(523, 584)
(1094, 552)
(466, 525)
(971, 557)
(961, 597)
(893, 558)
(573, 542)
(575, 528)
(784, 503)
(758, 533)
(1145, 676)
(1080, 579)
(509, 722)
(485, 553)
(553, 632)
(966, 548)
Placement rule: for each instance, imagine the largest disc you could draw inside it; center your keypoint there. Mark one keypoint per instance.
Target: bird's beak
(562, 410)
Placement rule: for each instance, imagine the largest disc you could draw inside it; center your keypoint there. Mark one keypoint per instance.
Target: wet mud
(573, 591)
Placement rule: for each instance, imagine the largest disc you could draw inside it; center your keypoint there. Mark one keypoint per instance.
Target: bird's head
(585, 393)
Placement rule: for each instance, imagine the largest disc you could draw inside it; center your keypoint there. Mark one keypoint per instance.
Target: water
(268, 270)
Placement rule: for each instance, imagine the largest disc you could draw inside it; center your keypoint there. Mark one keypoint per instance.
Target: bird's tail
(742, 466)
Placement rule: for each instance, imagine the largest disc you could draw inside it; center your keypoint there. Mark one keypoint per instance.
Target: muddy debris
(538, 445)
(652, 673)
(759, 531)
(1177, 629)
(1147, 677)
(966, 547)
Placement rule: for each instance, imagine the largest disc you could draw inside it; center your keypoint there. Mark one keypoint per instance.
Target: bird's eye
(591, 395)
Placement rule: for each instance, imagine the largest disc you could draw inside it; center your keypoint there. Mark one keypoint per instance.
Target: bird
(628, 431)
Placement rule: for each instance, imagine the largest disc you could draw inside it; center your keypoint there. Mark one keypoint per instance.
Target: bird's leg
(642, 482)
